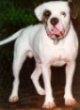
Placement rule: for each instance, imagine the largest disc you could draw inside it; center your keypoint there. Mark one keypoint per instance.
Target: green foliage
(15, 15)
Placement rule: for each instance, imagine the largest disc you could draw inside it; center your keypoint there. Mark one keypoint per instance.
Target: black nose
(54, 21)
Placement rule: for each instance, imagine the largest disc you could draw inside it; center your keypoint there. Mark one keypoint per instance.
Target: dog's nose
(54, 21)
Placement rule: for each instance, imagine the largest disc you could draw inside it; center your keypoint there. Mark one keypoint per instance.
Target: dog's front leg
(49, 101)
(70, 68)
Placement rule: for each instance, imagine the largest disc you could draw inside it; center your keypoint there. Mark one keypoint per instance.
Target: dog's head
(56, 17)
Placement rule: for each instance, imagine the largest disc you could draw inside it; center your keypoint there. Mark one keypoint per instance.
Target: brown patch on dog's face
(46, 16)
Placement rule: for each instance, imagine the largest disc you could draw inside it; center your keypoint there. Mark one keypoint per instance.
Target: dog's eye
(47, 13)
(63, 13)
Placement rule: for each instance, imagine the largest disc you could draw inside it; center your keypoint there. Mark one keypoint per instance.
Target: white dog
(54, 42)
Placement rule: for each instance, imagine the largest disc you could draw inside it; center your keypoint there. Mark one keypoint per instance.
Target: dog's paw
(41, 91)
(13, 99)
(49, 105)
(70, 102)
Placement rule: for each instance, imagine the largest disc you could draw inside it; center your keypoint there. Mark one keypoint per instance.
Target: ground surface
(29, 100)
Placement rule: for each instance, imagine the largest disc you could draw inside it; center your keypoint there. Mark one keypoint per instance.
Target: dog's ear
(74, 10)
(39, 12)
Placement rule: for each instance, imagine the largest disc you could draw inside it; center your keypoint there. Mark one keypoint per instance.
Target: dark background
(16, 14)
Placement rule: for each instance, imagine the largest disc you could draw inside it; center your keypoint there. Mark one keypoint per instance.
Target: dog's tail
(11, 38)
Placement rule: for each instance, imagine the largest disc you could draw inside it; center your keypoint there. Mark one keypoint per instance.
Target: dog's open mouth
(55, 33)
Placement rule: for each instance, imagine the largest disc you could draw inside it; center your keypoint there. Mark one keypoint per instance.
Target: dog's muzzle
(55, 32)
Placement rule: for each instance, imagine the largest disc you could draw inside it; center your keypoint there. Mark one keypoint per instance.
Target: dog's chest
(58, 60)
(56, 55)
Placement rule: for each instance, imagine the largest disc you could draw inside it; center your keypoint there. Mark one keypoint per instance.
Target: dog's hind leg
(35, 79)
(20, 54)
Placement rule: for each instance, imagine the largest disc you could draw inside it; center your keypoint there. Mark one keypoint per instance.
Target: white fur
(34, 41)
